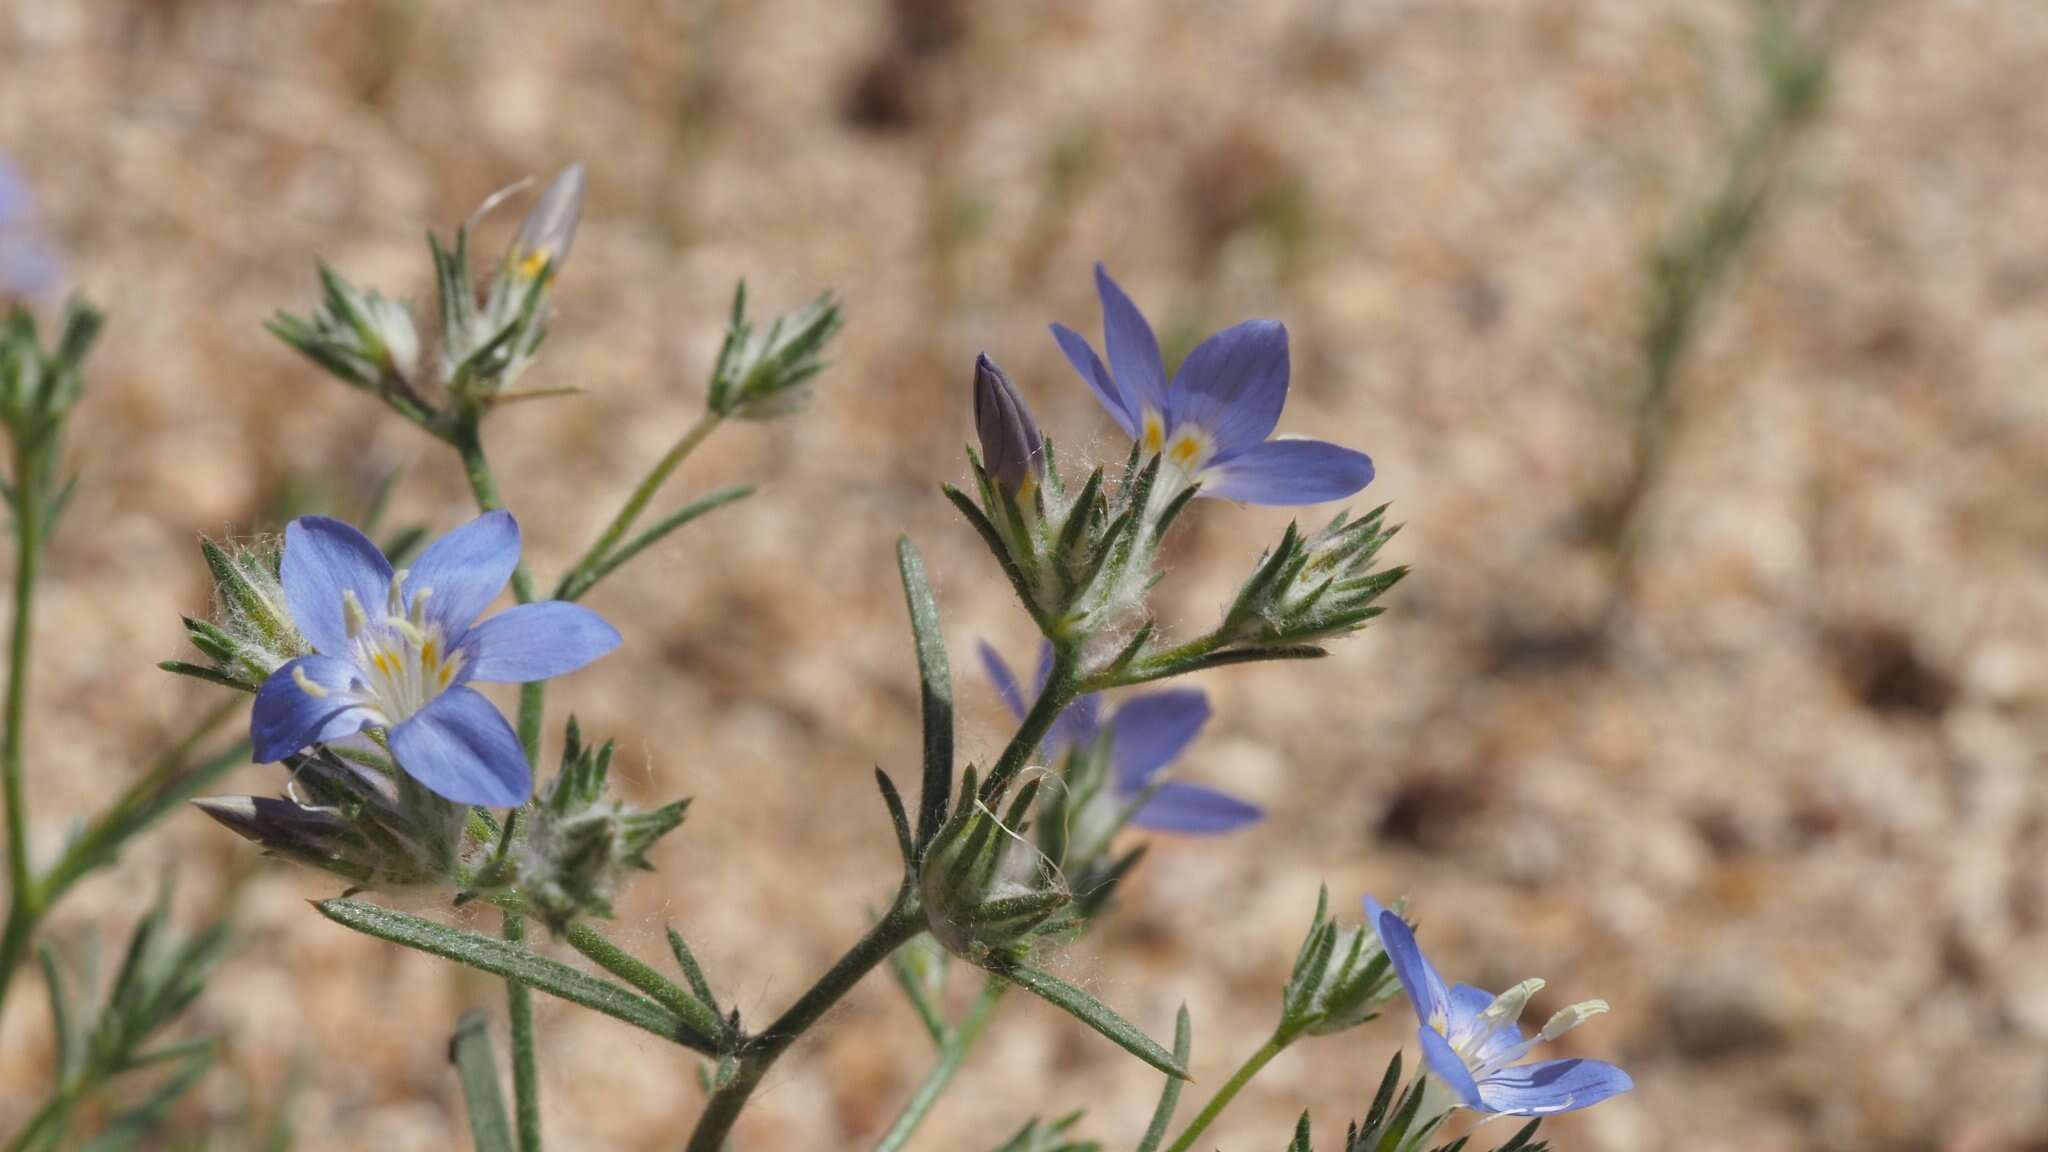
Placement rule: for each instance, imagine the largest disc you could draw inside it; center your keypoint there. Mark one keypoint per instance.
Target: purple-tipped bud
(1011, 448)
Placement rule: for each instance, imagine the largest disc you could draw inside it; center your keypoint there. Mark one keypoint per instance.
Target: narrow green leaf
(70, 1049)
(699, 1017)
(498, 958)
(899, 819)
(935, 691)
(470, 1052)
(653, 535)
(687, 961)
(1092, 1012)
(1169, 1097)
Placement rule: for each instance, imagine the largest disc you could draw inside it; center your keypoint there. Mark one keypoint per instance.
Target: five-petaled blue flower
(1470, 1042)
(27, 267)
(1146, 733)
(1213, 419)
(397, 651)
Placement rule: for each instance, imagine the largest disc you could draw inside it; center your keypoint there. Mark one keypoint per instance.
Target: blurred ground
(1787, 817)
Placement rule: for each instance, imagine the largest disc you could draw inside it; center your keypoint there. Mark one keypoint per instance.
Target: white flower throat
(402, 661)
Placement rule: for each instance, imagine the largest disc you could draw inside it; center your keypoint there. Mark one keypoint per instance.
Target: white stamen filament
(402, 662)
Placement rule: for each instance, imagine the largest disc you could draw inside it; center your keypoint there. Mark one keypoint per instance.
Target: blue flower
(27, 266)
(1470, 1042)
(397, 651)
(1213, 420)
(1146, 732)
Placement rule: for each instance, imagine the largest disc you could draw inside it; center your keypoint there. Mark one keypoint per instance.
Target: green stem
(24, 903)
(952, 1054)
(759, 1053)
(525, 1065)
(578, 578)
(1060, 689)
(1231, 1087)
(468, 441)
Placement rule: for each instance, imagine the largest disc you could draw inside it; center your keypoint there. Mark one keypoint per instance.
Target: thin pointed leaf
(498, 958)
(652, 535)
(1092, 1012)
(935, 691)
(470, 1052)
(687, 961)
(1169, 1097)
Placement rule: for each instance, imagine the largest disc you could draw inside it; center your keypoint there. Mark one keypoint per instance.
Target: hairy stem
(759, 1053)
(24, 904)
(577, 580)
(1231, 1087)
(952, 1054)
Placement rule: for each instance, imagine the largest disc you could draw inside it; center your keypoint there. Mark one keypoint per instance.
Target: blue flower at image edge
(1470, 1040)
(398, 650)
(27, 267)
(1213, 421)
(1147, 733)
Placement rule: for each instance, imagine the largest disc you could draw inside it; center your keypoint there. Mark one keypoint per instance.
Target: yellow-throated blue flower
(397, 650)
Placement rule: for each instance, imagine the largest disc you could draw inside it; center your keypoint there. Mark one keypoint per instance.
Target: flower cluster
(364, 671)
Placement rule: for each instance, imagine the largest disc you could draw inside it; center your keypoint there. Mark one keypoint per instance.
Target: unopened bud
(1012, 449)
(545, 235)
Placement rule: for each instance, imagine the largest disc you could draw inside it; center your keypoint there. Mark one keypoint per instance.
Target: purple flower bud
(1011, 448)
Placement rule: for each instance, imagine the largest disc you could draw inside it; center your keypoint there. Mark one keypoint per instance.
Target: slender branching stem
(952, 1054)
(24, 905)
(757, 1054)
(579, 577)
(468, 441)
(1228, 1092)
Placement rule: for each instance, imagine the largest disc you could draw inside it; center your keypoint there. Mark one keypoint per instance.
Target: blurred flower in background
(28, 267)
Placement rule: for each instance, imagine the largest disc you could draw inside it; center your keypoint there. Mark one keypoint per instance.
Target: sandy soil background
(1786, 812)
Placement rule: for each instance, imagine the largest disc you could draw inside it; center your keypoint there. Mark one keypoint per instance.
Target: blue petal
(1000, 675)
(324, 558)
(1133, 350)
(1193, 810)
(1151, 731)
(1122, 407)
(537, 641)
(465, 570)
(286, 717)
(1445, 1064)
(1552, 1086)
(1373, 909)
(460, 747)
(1233, 385)
(1424, 987)
(1287, 473)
